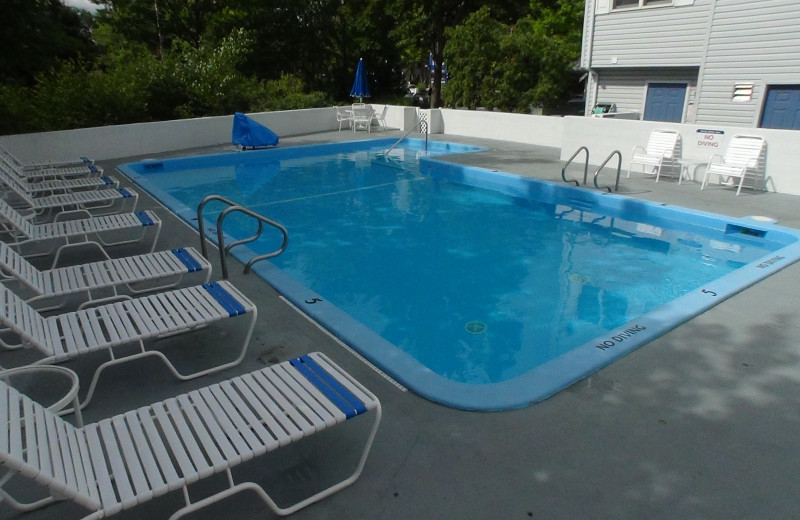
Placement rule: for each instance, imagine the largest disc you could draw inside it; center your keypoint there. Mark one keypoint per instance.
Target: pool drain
(475, 327)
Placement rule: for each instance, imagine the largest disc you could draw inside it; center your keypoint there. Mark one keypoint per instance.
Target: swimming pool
(476, 289)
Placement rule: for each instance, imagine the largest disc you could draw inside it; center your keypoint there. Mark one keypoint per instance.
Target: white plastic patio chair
(362, 117)
(663, 150)
(130, 458)
(344, 115)
(49, 164)
(114, 328)
(381, 117)
(744, 159)
(111, 231)
(69, 286)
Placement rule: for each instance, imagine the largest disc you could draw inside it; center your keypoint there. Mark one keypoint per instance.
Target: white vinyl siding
(627, 88)
(749, 43)
(663, 36)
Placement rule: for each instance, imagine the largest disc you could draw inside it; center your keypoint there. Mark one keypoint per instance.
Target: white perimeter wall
(601, 136)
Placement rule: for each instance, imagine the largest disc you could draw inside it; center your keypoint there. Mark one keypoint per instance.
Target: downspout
(701, 72)
(591, 83)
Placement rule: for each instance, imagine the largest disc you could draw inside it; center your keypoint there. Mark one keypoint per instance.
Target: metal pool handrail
(585, 166)
(420, 121)
(223, 249)
(619, 167)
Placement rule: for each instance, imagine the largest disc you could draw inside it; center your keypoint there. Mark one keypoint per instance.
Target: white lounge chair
(70, 286)
(344, 115)
(130, 458)
(61, 162)
(115, 328)
(52, 186)
(110, 231)
(97, 202)
(663, 150)
(362, 117)
(744, 159)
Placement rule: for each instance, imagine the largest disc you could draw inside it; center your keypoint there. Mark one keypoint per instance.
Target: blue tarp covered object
(247, 132)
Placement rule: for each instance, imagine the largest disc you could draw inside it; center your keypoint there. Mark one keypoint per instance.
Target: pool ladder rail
(422, 124)
(224, 249)
(616, 153)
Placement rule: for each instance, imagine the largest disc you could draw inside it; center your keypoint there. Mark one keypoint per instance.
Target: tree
(421, 28)
(543, 49)
(474, 52)
(513, 67)
(36, 36)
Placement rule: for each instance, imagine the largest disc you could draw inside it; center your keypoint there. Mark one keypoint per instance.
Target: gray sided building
(733, 62)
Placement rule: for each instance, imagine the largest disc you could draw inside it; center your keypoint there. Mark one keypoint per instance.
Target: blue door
(782, 108)
(665, 102)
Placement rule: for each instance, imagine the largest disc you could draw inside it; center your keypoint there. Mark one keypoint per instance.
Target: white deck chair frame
(128, 459)
(69, 286)
(663, 150)
(744, 159)
(110, 231)
(344, 115)
(115, 327)
(9, 174)
(96, 202)
(60, 162)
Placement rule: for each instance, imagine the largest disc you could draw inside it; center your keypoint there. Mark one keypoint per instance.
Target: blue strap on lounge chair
(125, 193)
(228, 302)
(87, 161)
(108, 180)
(191, 264)
(92, 167)
(144, 218)
(343, 398)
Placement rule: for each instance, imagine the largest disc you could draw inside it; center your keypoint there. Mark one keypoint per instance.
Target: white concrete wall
(602, 136)
(110, 142)
(520, 128)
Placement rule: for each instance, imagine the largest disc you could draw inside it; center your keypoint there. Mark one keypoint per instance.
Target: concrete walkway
(699, 424)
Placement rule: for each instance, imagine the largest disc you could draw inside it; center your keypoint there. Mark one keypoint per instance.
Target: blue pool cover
(249, 133)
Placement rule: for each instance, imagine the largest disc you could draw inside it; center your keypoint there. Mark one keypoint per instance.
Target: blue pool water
(476, 289)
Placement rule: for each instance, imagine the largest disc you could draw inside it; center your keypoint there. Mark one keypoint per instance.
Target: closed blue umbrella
(360, 87)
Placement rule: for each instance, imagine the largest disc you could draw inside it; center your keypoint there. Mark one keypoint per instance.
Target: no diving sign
(709, 138)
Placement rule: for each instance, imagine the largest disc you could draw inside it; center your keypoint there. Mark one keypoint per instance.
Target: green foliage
(513, 68)
(132, 85)
(286, 93)
(36, 36)
(474, 50)
(166, 59)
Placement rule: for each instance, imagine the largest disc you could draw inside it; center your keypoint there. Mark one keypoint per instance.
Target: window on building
(626, 4)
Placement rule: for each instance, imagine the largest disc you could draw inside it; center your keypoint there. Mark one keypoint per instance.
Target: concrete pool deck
(700, 423)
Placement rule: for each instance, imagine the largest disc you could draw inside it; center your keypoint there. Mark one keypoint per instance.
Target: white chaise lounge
(111, 231)
(125, 460)
(72, 285)
(125, 330)
(46, 164)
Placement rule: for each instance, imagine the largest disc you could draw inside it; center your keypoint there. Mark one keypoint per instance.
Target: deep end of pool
(552, 376)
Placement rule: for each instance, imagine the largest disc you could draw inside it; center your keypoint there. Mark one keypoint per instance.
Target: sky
(82, 4)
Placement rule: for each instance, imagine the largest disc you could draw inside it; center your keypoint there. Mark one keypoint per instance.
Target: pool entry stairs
(223, 248)
(616, 153)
